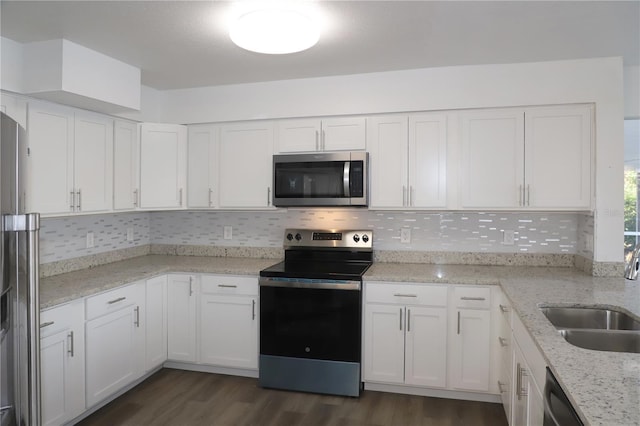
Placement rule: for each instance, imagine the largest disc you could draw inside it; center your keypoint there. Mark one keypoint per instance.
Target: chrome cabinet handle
(137, 321)
(228, 285)
(520, 374)
(190, 286)
(324, 138)
(408, 320)
(528, 195)
(119, 299)
(472, 298)
(400, 318)
(317, 141)
(180, 196)
(79, 200)
(71, 350)
(410, 196)
(135, 198)
(504, 309)
(404, 195)
(404, 295)
(210, 197)
(72, 199)
(268, 196)
(47, 324)
(503, 341)
(500, 385)
(253, 309)
(458, 322)
(520, 196)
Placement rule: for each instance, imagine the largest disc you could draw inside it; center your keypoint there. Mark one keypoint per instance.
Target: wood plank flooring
(185, 398)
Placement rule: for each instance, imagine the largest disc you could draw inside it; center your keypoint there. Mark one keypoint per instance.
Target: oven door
(310, 319)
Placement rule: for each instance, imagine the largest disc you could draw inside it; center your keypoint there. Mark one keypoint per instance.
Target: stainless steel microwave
(322, 179)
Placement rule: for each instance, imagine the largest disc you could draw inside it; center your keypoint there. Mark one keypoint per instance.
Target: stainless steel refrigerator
(19, 307)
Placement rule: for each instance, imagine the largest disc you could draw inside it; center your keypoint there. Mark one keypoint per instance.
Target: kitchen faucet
(633, 264)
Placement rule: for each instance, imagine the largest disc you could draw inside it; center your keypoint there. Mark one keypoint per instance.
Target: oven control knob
(356, 238)
(298, 237)
(289, 236)
(365, 238)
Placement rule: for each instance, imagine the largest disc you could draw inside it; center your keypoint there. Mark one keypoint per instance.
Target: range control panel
(359, 239)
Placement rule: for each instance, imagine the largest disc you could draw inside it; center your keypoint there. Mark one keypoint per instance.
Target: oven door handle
(309, 283)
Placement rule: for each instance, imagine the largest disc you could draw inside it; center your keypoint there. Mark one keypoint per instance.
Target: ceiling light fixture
(275, 31)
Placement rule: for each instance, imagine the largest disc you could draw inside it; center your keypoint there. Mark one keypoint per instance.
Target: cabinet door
(302, 135)
(125, 165)
(492, 159)
(228, 331)
(426, 340)
(181, 320)
(50, 159)
(245, 165)
(427, 161)
(62, 363)
(156, 322)
(93, 162)
(202, 166)
(384, 343)
(111, 353)
(558, 157)
(470, 349)
(344, 134)
(387, 146)
(163, 162)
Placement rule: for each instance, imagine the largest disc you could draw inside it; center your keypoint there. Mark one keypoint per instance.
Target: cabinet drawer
(406, 294)
(472, 297)
(110, 301)
(218, 284)
(60, 318)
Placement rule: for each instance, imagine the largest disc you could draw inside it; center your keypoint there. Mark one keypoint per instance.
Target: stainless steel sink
(603, 340)
(590, 318)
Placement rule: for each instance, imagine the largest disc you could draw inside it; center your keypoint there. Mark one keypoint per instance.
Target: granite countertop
(603, 386)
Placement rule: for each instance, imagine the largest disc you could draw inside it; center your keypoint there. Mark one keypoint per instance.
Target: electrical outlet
(228, 233)
(405, 235)
(129, 234)
(508, 237)
(90, 240)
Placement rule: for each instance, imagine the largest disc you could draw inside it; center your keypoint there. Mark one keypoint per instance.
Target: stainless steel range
(311, 312)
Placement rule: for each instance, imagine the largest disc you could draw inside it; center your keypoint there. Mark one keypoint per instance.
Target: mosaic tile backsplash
(535, 232)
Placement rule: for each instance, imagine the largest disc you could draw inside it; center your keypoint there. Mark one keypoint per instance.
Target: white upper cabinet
(70, 160)
(125, 165)
(558, 157)
(408, 156)
(246, 164)
(93, 162)
(203, 166)
(547, 166)
(163, 166)
(313, 134)
(492, 158)
(14, 107)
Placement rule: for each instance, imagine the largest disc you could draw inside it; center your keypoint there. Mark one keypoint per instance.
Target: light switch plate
(90, 240)
(228, 233)
(129, 234)
(508, 237)
(405, 235)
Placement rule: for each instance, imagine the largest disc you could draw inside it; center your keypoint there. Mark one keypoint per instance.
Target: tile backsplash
(534, 232)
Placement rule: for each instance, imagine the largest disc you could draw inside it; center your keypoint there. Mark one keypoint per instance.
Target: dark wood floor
(184, 398)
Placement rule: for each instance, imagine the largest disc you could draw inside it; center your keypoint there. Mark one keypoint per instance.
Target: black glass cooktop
(351, 271)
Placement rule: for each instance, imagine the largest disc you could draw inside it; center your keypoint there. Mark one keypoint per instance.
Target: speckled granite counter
(73, 285)
(603, 386)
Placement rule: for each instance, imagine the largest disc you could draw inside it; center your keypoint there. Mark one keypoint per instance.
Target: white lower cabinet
(228, 321)
(470, 339)
(114, 341)
(62, 362)
(181, 321)
(404, 337)
(156, 322)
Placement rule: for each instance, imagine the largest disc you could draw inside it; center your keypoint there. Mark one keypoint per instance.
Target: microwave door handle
(345, 179)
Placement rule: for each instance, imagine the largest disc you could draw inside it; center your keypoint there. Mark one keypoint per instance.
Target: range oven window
(310, 323)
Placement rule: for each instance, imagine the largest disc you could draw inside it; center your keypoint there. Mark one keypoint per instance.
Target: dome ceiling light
(275, 31)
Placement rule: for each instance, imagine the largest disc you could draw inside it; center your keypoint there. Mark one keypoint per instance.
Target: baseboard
(243, 372)
(431, 392)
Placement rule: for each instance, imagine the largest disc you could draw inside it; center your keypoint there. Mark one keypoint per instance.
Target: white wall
(632, 92)
(11, 61)
(577, 81)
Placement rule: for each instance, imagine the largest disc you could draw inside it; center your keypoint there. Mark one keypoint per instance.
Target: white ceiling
(180, 44)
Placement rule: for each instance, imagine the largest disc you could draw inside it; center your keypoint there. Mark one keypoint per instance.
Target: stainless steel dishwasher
(558, 410)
